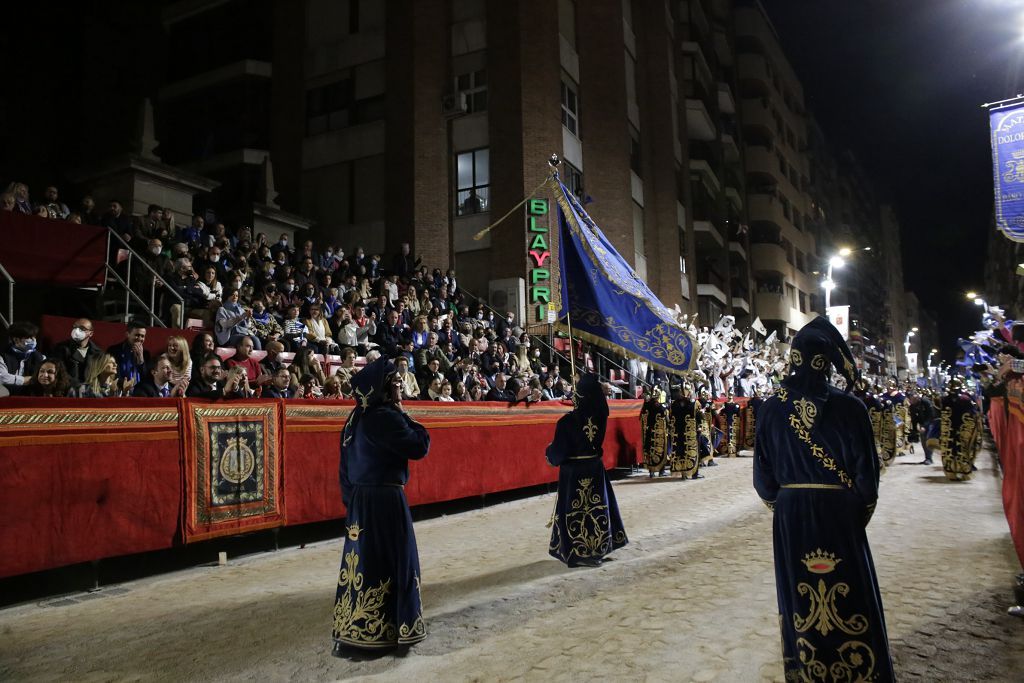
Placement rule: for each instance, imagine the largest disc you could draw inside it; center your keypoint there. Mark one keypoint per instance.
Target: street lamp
(836, 261)
(978, 300)
(906, 350)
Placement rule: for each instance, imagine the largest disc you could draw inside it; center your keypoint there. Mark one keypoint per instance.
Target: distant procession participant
(888, 431)
(816, 467)
(706, 430)
(378, 596)
(959, 432)
(750, 418)
(863, 391)
(657, 437)
(731, 426)
(586, 525)
(686, 446)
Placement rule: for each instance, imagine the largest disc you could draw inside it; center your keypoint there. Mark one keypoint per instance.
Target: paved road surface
(691, 598)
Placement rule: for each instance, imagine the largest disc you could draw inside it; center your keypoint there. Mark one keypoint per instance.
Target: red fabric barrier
(88, 479)
(465, 459)
(1006, 420)
(47, 251)
(75, 487)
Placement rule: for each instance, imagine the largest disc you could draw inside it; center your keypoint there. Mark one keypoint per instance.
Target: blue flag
(1007, 125)
(608, 304)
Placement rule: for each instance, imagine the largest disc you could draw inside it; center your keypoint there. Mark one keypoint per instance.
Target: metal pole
(152, 300)
(572, 351)
(127, 288)
(828, 288)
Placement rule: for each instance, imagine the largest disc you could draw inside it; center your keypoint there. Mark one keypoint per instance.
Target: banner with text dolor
(1007, 125)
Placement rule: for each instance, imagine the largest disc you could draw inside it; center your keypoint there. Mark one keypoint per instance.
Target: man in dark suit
(278, 387)
(158, 383)
(130, 355)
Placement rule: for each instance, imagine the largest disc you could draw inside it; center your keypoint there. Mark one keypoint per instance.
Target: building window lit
(473, 180)
(474, 86)
(570, 108)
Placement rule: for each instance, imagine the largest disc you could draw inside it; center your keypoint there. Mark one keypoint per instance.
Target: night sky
(900, 84)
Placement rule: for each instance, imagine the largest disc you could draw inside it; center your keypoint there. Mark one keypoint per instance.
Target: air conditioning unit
(508, 294)
(454, 104)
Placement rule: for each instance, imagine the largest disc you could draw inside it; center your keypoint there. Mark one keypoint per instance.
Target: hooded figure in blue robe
(378, 598)
(586, 524)
(816, 466)
(959, 432)
(656, 433)
(731, 426)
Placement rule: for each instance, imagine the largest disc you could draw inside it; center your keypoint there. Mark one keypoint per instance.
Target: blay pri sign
(539, 258)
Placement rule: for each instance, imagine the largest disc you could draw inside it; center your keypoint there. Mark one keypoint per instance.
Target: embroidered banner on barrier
(1007, 126)
(232, 469)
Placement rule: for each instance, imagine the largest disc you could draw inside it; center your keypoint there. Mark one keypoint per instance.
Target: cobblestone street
(690, 598)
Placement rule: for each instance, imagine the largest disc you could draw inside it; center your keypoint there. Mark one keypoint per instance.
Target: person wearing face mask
(76, 352)
(281, 247)
(20, 358)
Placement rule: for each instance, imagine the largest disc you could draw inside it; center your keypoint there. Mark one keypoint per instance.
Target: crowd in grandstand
(300, 320)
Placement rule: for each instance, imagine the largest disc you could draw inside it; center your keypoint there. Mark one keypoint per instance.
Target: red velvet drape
(87, 479)
(1006, 420)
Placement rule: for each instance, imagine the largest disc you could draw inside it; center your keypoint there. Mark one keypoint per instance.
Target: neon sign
(539, 254)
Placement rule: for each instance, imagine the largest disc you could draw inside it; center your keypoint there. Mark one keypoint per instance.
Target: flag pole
(554, 162)
(572, 349)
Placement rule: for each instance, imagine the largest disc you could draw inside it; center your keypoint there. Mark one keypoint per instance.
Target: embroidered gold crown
(820, 562)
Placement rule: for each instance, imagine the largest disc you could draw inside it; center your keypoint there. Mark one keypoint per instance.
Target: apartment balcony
(753, 72)
(693, 12)
(737, 248)
(770, 306)
(699, 123)
(713, 291)
(734, 197)
(707, 232)
(739, 303)
(726, 102)
(762, 162)
(765, 208)
(730, 149)
(755, 112)
(768, 258)
(707, 175)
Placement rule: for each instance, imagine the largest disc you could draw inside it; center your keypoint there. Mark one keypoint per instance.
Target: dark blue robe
(750, 421)
(586, 524)
(731, 420)
(377, 604)
(686, 445)
(959, 435)
(833, 626)
(657, 436)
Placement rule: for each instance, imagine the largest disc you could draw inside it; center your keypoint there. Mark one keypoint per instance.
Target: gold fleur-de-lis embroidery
(590, 429)
(364, 399)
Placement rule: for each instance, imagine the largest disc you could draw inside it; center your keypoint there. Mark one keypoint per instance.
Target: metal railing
(129, 293)
(7, 319)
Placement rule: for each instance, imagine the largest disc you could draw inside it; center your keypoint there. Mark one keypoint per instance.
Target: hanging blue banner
(1007, 125)
(608, 304)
